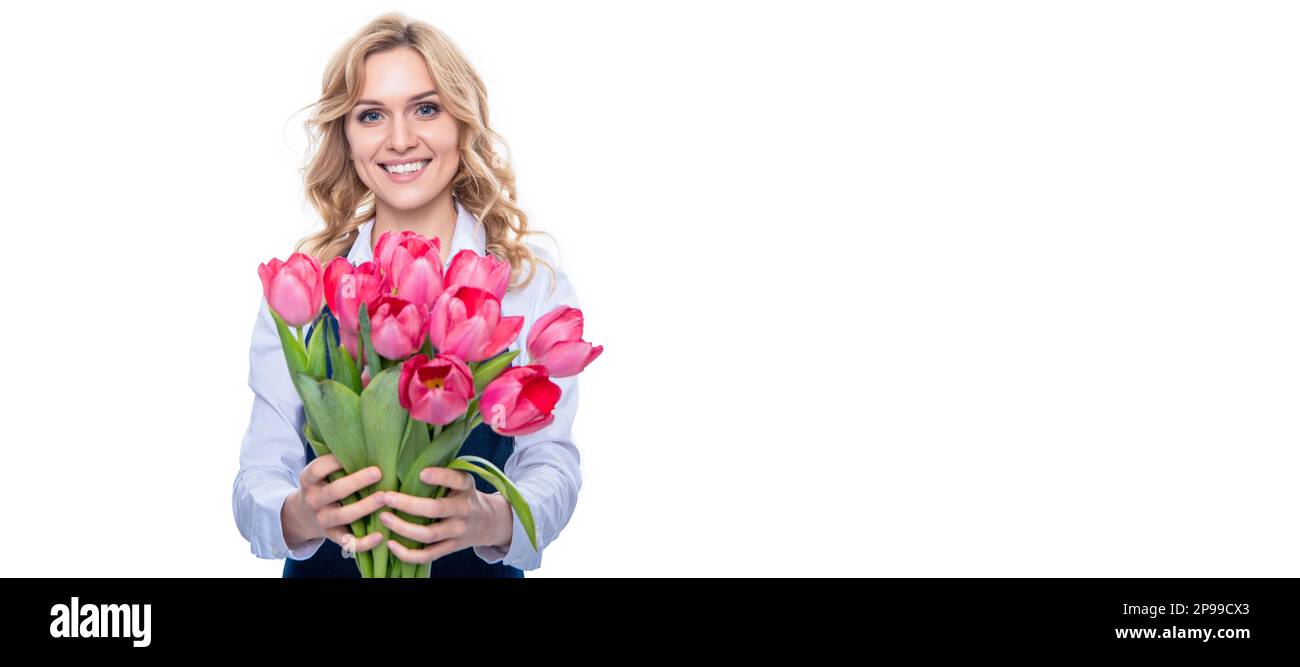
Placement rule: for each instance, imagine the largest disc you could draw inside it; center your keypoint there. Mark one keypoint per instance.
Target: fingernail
(385, 518)
(375, 474)
(389, 499)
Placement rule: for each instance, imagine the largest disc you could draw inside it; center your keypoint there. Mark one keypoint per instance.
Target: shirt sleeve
(545, 465)
(272, 454)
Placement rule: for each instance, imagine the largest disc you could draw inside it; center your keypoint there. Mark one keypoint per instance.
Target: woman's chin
(406, 201)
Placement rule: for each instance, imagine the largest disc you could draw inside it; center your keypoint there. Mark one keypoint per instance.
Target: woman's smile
(404, 172)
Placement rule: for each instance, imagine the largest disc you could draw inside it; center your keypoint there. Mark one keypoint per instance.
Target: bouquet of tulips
(410, 362)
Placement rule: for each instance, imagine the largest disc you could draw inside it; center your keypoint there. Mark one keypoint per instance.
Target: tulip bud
(411, 265)
(520, 401)
(397, 328)
(484, 272)
(466, 322)
(437, 390)
(293, 289)
(555, 341)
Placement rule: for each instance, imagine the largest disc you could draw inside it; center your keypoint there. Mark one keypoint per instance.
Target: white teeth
(406, 168)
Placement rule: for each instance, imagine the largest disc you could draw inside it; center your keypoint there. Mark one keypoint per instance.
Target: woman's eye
(433, 111)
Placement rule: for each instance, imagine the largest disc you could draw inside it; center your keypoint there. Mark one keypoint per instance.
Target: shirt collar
(469, 233)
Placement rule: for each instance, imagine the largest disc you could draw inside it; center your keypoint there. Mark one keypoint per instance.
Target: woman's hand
(313, 510)
(469, 517)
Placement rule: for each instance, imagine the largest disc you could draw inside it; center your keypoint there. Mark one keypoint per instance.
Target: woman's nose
(400, 138)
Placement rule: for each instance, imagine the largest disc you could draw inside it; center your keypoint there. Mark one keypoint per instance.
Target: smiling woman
(401, 92)
(401, 143)
(403, 146)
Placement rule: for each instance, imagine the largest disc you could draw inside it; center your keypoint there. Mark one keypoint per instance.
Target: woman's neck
(436, 219)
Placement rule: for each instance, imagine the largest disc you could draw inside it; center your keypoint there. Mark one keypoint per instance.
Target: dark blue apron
(328, 561)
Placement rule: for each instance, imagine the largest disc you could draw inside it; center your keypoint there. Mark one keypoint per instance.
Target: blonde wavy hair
(484, 183)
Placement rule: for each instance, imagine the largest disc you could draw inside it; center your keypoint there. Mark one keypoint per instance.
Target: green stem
(358, 528)
(421, 571)
(363, 557)
(393, 564)
(406, 433)
(381, 552)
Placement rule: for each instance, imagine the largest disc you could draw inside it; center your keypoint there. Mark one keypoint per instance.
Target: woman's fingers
(452, 479)
(433, 508)
(370, 542)
(346, 514)
(425, 555)
(341, 536)
(318, 469)
(435, 532)
(342, 488)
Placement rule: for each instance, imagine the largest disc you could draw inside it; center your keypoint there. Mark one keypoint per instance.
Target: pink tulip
(387, 245)
(397, 327)
(293, 289)
(347, 287)
(555, 341)
(412, 265)
(467, 322)
(519, 401)
(437, 390)
(484, 272)
(349, 339)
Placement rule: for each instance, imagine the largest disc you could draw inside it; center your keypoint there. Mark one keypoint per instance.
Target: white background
(886, 289)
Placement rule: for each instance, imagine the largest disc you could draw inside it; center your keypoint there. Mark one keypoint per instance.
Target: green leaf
(440, 450)
(435, 453)
(358, 527)
(492, 369)
(335, 414)
(294, 354)
(326, 317)
(498, 479)
(345, 370)
(332, 374)
(383, 421)
(416, 442)
(320, 448)
(316, 348)
(368, 349)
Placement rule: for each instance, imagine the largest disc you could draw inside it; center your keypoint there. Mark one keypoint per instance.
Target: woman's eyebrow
(412, 99)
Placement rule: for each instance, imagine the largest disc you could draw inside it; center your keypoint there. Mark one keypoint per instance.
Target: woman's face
(396, 123)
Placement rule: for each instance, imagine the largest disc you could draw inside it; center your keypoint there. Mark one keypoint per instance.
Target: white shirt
(544, 465)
